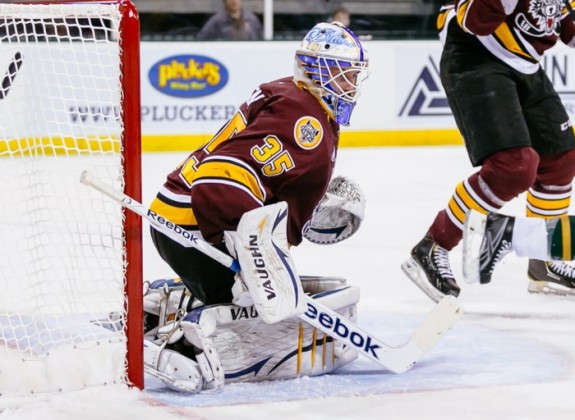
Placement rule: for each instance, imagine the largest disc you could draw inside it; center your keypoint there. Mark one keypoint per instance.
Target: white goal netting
(62, 245)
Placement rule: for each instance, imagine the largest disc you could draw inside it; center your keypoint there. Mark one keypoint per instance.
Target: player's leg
(550, 195)
(208, 280)
(488, 238)
(553, 275)
(183, 368)
(496, 137)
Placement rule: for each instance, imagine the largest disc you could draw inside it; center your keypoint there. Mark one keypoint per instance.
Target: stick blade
(437, 323)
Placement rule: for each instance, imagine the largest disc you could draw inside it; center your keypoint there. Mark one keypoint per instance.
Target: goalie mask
(332, 64)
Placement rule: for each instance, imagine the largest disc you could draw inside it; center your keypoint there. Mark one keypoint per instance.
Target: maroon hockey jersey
(517, 32)
(279, 146)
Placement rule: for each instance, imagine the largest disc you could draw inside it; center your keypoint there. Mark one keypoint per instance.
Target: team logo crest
(546, 14)
(308, 132)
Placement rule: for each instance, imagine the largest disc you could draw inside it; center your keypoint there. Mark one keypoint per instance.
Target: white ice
(511, 356)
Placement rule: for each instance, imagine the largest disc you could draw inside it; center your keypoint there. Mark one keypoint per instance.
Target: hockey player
(513, 123)
(488, 238)
(251, 191)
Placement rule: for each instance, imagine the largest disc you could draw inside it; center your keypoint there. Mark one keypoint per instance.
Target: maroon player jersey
(280, 146)
(516, 32)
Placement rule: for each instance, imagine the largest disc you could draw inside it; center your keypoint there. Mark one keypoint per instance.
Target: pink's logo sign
(188, 76)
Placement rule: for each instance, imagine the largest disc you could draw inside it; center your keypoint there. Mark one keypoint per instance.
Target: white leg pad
(175, 370)
(267, 268)
(207, 356)
(251, 350)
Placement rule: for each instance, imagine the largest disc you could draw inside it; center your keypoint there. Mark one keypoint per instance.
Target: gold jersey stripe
(462, 13)
(232, 172)
(468, 200)
(505, 37)
(441, 18)
(178, 215)
(544, 204)
(456, 210)
(566, 237)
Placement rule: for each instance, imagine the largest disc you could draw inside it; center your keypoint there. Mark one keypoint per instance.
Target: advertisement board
(190, 89)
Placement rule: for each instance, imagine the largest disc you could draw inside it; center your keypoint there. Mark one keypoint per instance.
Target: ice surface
(511, 356)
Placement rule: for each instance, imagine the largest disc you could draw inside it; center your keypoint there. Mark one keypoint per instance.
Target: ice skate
(551, 277)
(430, 270)
(486, 240)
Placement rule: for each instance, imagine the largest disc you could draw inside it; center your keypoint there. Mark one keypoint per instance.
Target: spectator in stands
(233, 23)
(341, 14)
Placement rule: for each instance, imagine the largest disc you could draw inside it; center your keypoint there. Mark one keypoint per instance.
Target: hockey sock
(561, 243)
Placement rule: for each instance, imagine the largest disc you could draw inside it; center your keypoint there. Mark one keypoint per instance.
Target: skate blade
(549, 288)
(473, 233)
(417, 276)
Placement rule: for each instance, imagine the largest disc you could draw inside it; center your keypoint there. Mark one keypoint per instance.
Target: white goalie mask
(332, 64)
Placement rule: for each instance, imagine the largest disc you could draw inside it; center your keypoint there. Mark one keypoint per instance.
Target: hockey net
(70, 260)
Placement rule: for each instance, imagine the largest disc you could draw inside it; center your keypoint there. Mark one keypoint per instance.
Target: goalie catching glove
(339, 213)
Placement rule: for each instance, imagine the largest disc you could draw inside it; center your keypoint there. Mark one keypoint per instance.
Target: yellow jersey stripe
(183, 216)
(506, 38)
(566, 236)
(229, 171)
(468, 200)
(456, 210)
(549, 204)
(462, 14)
(441, 18)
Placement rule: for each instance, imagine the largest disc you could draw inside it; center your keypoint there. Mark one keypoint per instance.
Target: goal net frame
(130, 150)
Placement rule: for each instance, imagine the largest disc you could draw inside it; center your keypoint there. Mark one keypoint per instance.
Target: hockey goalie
(262, 183)
(191, 346)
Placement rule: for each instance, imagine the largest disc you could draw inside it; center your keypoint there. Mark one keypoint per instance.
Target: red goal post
(71, 266)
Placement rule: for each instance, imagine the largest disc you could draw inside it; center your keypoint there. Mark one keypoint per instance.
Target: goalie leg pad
(267, 269)
(206, 354)
(174, 369)
(183, 357)
(251, 350)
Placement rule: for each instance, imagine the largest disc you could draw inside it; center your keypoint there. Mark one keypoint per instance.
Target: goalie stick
(397, 359)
